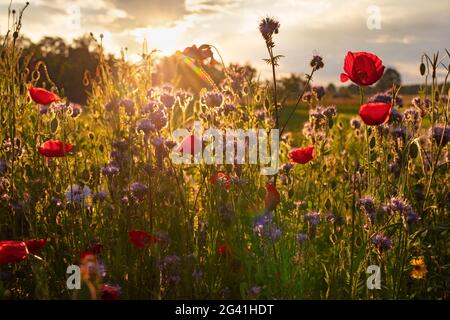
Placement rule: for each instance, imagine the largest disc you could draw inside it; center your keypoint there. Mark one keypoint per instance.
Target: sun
(165, 39)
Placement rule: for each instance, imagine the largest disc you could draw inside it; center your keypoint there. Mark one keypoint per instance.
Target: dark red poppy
(302, 155)
(375, 113)
(224, 250)
(221, 178)
(110, 292)
(42, 96)
(12, 252)
(363, 68)
(200, 54)
(141, 239)
(272, 197)
(55, 149)
(35, 246)
(190, 145)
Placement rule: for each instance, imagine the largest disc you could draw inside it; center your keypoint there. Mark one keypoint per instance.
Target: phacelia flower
(313, 218)
(381, 242)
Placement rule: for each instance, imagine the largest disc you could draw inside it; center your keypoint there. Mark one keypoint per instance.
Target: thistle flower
(268, 27)
(128, 105)
(317, 62)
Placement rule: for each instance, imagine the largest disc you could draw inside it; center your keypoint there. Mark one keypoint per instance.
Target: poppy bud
(422, 69)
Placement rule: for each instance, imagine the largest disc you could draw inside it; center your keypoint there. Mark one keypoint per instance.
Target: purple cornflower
(138, 190)
(75, 110)
(440, 134)
(110, 170)
(313, 218)
(159, 119)
(44, 109)
(228, 108)
(128, 105)
(255, 291)
(319, 92)
(212, 99)
(170, 271)
(301, 237)
(274, 233)
(396, 116)
(381, 242)
(145, 125)
(167, 100)
(355, 123)
(197, 275)
(184, 98)
(112, 105)
(100, 196)
(3, 166)
(149, 107)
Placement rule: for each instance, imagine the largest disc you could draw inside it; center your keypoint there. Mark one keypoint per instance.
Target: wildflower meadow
(227, 190)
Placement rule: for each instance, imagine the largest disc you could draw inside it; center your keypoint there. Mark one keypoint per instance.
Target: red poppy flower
(35, 246)
(272, 197)
(141, 239)
(190, 145)
(42, 96)
(375, 113)
(362, 68)
(224, 250)
(12, 252)
(55, 149)
(302, 155)
(223, 179)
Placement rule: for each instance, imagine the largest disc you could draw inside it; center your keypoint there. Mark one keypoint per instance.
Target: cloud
(408, 28)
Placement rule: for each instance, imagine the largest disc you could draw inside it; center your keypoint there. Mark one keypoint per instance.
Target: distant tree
(291, 86)
(331, 90)
(389, 77)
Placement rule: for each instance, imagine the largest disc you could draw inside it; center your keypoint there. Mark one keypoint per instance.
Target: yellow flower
(419, 268)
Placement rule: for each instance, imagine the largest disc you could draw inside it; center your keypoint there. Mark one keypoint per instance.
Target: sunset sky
(328, 27)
